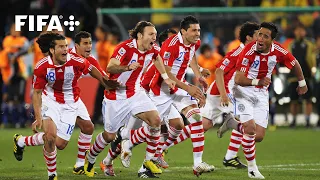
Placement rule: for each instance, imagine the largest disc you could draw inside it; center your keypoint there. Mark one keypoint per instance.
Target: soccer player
(55, 99)
(83, 47)
(133, 124)
(178, 53)
(219, 96)
(253, 72)
(127, 63)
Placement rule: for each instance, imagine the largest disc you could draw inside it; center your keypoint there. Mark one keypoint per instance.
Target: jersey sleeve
(120, 52)
(86, 67)
(245, 59)
(287, 59)
(39, 80)
(227, 63)
(168, 54)
(198, 44)
(92, 60)
(156, 51)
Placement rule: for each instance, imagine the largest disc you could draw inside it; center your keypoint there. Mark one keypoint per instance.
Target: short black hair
(47, 41)
(272, 27)
(81, 34)
(164, 35)
(205, 47)
(185, 23)
(139, 28)
(248, 29)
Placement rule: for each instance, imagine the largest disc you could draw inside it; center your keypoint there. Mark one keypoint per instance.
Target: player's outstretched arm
(114, 66)
(196, 70)
(302, 87)
(108, 84)
(158, 63)
(37, 102)
(220, 84)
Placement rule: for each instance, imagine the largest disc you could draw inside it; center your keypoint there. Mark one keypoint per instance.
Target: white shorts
(213, 109)
(252, 103)
(63, 115)
(170, 105)
(116, 113)
(134, 123)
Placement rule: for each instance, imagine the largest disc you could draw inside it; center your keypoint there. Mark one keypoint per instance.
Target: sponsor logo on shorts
(241, 107)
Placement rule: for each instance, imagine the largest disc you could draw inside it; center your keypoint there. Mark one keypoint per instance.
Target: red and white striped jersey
(176, 55)
(148, 76)
(127, 53)
(92, 60)
(228, 65)
(60, 82)
(257, 65)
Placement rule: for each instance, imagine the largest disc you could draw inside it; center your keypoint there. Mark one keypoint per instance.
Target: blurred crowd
(300, 34)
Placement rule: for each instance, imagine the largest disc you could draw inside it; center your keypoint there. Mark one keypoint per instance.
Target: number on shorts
(70, 129)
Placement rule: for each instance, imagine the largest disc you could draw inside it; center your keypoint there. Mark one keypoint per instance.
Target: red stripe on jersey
(228, 65)
(57, 86)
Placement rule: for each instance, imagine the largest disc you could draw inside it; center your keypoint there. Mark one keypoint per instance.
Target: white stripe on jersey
(251, 51)
(283, 51)
(173, 41)
(44, 60)
(67, 84)
(123, 78)
(237, 52)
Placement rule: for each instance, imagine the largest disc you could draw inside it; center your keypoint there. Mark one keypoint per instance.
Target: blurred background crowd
(299, 33)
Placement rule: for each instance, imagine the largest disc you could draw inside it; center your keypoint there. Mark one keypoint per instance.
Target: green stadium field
(285, 154)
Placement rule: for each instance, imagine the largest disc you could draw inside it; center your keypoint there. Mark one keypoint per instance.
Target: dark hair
(81, 34)
(133, 33)
(299, 25)
(185, 23)
(47, 41)
(248, 29)
(205, 47)
(164, 35)
(272, 27)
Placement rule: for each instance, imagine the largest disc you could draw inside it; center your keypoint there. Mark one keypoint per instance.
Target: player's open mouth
(260, 45)
(64, 54)
(89, 51)
(151, 43)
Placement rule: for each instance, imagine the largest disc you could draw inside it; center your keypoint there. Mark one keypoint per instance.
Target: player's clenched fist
(133, 66)
(265, 81)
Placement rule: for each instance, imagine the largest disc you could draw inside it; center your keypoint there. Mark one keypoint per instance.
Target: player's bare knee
(259, 138)
(108, 137)
(50, 139)
(251, 130)
(88, 128)
(61, 145)
(155, 121)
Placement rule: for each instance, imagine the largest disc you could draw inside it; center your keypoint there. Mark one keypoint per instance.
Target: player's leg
(113, 120)
(174, 125)
(86, 130)
(145, 110)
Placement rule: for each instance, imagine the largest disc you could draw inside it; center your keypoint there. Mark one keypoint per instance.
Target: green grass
(285, 154)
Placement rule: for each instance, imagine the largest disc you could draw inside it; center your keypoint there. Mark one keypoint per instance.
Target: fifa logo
(42, 20)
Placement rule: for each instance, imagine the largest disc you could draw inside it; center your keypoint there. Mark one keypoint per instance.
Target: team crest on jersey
(166, 55)
(226, 62)
(241, 107)
(245, 62)
(122, 51)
